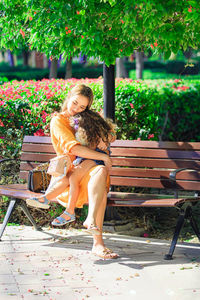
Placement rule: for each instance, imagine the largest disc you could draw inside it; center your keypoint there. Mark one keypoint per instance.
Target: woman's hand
(102, 145)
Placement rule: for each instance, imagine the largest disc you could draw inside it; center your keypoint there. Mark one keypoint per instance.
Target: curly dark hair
(90, 127)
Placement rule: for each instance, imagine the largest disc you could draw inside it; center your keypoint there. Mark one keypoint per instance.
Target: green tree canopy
(101, 28)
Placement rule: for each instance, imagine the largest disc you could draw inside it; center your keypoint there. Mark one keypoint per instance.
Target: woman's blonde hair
(79, 89)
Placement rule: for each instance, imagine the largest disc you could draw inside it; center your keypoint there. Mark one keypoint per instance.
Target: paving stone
(7, 279)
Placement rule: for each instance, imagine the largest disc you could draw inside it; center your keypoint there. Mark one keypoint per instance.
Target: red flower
(150, 136)
(82, 36)
(30, 18)
(39, 132)
(151, 46)
(190, 9)
(155, 44)
(78, 12)
(131, 105)
(122, 21)
(22, 33)
(69, 31)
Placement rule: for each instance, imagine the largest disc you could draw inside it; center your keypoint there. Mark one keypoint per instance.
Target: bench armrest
(172, 175)
(7, 159)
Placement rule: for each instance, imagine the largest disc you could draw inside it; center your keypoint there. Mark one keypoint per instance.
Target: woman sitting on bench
(95, 182)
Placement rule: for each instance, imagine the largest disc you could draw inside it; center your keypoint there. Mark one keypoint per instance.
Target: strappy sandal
(62, 221)
(106, 254)
(92, 230)
(36, 203)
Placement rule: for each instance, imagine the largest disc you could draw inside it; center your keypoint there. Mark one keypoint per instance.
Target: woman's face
(77, 104)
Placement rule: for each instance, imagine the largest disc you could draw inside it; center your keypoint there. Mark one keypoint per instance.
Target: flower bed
(144, 109)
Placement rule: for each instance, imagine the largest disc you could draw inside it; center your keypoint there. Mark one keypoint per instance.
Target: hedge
(167, 110)
(27, 73)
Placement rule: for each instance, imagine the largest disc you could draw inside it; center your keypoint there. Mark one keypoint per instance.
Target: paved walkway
(57, 264)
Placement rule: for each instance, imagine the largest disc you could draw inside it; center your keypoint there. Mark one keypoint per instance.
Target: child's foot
(39, 202)
(64, 219)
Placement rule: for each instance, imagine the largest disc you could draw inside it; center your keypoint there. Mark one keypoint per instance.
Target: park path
(57, 264)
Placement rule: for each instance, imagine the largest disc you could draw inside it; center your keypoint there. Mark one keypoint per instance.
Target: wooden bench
(163, 166)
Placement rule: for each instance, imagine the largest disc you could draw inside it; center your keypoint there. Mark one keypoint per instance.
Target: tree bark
(139, 64)
(25, 55)
(53, 69)
(121, 71)
(109, 91)
(10, 59)
(68, 73)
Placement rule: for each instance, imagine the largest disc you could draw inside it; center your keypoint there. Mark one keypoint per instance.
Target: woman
(95, 182)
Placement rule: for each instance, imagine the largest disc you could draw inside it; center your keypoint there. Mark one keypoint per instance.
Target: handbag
(38, 179)
(59, 165)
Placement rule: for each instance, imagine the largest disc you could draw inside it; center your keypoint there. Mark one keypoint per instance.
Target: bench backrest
(135, 163)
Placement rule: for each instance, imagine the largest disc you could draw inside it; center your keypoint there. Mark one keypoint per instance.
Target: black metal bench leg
(24, 207)
(194, 224)
(10, 209)
(179, 225)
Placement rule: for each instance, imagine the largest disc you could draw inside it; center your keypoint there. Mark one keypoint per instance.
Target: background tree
(106, 29)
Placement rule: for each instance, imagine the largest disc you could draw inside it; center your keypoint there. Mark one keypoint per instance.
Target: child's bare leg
(75, 177)
(74, 182)
(56, 190)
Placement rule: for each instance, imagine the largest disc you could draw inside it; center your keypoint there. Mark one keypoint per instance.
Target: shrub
(180, 67)
(166, 110)
(3, 79)
(27, 73)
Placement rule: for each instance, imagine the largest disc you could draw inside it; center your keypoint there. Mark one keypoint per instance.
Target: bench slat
(18, 191)
(152, 173)
(36, 157)
(155, 163)
(154, 153)
(155, 144)
(38, 148)
(37, 139)
(27, 166)
(155, 183)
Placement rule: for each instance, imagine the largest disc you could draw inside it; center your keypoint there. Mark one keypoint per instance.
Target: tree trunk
(25, 55)
(109, 91)
(10, 59)
(139, 64)
(68, 73)
(121, 71)
(53, 69)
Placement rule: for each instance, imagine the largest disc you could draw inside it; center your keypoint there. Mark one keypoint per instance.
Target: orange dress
(63, 138)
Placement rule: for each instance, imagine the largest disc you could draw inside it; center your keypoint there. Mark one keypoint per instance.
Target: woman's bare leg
(96, 190)
(97, 205)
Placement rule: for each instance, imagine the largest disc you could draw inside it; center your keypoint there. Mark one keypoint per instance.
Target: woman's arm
(86, 152)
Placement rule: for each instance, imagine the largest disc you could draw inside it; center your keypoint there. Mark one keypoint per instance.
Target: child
(90, 129)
